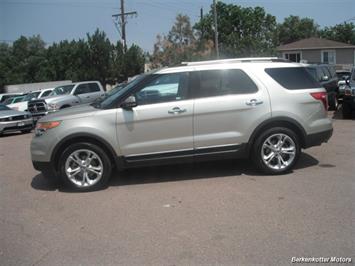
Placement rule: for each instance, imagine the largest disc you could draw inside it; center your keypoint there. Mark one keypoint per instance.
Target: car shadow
(338, 114)
(174, 173)
(11, 134)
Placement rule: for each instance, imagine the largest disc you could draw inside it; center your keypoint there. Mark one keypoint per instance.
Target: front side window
(164, 88)
(46, 93)
(224, 82)
(30, 96)
(93, 87)
(82, 88)
(17, 100)
(62, 90)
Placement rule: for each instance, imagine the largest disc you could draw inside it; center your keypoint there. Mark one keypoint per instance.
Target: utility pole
(121, 20)
(215, 28)
(201, 17)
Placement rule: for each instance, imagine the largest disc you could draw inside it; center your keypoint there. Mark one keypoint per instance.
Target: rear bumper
(318, 138)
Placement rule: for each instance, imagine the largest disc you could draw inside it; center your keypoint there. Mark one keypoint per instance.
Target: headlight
(42, 127)
(53, 106)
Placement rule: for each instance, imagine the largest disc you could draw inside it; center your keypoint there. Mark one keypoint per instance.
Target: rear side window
(293, 78)
(224, 82)
(94, 87)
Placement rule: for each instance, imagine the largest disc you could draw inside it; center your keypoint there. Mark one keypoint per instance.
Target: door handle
(253, 102)
(176, 110)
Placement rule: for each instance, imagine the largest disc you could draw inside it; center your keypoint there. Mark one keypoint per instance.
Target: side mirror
(325, 78)
(129, 103)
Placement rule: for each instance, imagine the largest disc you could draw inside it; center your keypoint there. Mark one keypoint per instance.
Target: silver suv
(262, 108)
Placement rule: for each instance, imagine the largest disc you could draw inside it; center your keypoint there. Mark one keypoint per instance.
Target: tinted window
(164, 88)
(17, 100)
(4, 107)
(93, 87)
(46, 93)
(82, 88)
(224, 82)
(326, 72)
(293, 78)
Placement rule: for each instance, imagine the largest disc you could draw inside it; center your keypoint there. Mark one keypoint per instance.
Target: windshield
(4, 107)
(9, 100)
(111, 98)
(32, 95)
(62, 90)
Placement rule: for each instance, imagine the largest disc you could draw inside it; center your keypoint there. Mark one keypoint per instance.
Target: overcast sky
(57, 20)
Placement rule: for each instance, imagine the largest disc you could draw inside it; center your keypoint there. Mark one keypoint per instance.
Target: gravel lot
(206, 213)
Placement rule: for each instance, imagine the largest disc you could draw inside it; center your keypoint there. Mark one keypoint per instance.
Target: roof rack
(236, 60)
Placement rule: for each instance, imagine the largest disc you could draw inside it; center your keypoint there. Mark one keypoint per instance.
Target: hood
(55, 98)
(22, 105)
(71, 113)
(8, 113)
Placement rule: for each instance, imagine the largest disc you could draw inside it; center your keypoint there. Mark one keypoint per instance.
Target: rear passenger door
(228, 107)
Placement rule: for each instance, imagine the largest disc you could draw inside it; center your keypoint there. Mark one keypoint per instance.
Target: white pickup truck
(66, 96)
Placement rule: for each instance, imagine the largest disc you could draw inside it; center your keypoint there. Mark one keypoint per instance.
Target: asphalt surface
(192, 214)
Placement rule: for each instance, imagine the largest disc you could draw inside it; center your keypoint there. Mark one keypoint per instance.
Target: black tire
(346, 111)
(106, 166)
(257, 149)
(332, 102)
(26, 131)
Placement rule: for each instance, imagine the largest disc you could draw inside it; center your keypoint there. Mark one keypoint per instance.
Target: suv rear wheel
(276, 150)
(85, 167)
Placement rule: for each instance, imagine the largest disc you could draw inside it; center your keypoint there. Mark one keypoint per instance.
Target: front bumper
(18, 125)
(317, 139)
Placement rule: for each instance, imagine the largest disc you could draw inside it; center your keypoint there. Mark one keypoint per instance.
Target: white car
(23, 105)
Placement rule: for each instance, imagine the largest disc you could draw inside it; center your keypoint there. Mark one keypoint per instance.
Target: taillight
(321, 96)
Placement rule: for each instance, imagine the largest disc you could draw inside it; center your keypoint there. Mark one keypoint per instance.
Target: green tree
(5, 64)
(179, 45)
(100, 54)
(133, 61)
(29, 60)
(295, 28)
(344, 32)
(242, 31)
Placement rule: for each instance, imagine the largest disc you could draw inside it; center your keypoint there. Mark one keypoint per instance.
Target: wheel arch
(279, 122)
(82, 137)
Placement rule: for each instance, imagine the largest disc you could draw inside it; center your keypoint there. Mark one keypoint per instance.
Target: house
(317, 50)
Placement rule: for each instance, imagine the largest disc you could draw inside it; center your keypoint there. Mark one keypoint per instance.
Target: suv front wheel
(85, 167)
(276, 150)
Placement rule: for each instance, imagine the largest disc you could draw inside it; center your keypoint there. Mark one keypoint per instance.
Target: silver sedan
(12, 120)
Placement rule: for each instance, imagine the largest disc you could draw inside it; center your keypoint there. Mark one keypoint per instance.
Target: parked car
(15, 99)
(66, 96)
(4, 96)
(198, 111)
(327, 77)
(12, 120)
(23, 104)
(343, 76)
(349, 97)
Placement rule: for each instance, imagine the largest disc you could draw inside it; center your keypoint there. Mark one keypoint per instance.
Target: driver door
(161, 124)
